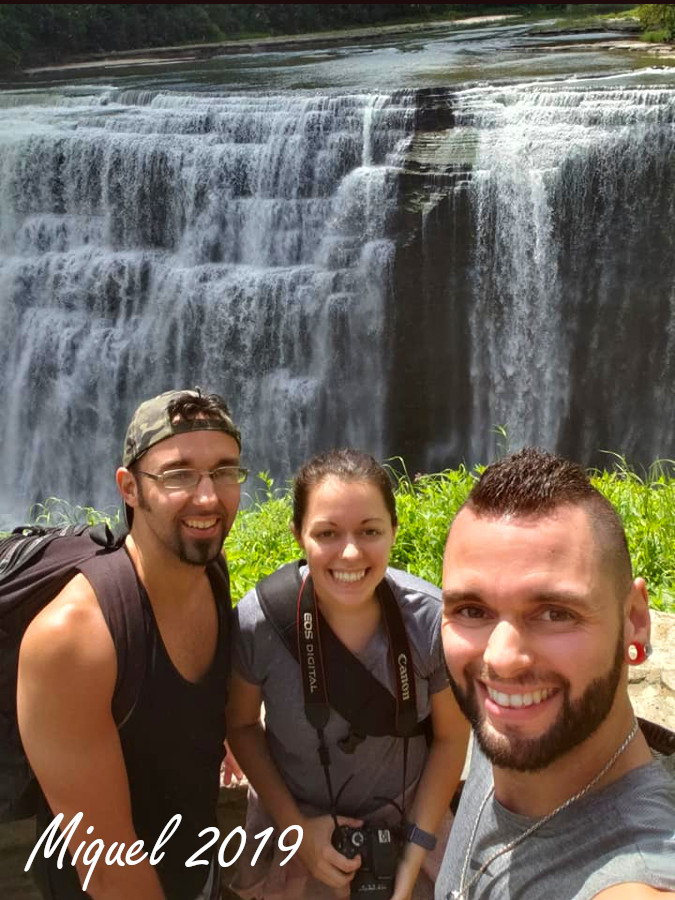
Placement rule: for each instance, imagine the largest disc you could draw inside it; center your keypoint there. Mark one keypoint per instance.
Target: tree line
(52, 33)
(658, 16)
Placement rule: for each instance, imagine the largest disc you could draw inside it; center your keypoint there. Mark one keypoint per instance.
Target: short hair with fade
(535, 482)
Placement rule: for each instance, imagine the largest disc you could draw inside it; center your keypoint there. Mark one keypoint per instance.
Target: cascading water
(572, 279)
(400, 272)
(152, 241)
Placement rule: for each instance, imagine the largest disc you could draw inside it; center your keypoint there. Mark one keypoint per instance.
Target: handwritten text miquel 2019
(89, 854)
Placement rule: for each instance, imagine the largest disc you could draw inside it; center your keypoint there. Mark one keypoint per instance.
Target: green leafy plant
(55, 511)
(646, 504)
(657, 17)
(261, 539)
(654, 37)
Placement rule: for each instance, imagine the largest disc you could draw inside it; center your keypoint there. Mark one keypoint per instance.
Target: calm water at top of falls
(442, 55)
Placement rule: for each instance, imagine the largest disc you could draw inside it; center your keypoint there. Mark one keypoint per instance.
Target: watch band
(424, 839)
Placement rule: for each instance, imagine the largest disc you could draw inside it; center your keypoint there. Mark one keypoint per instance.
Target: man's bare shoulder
(70, 631)
(634, 891)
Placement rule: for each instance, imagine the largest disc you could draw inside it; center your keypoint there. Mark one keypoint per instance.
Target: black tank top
(172, 745)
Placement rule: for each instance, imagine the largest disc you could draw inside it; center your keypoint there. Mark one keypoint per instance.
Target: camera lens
(358, 838)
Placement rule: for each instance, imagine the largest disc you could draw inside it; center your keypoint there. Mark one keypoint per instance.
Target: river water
(236, 223)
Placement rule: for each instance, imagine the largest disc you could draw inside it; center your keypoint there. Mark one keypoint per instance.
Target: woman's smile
(347, 536)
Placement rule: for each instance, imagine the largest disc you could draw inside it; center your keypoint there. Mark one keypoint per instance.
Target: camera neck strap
(352, 690)
(314, 682)
(310, 653)
(315, 691)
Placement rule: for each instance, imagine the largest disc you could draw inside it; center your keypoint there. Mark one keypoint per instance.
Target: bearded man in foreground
(542, 618)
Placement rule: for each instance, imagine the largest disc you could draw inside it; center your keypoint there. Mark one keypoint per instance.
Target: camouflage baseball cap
(152, 423)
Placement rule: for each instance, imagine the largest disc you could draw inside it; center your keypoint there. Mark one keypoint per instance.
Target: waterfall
(152, 240)
(571, 282)
(401, 272)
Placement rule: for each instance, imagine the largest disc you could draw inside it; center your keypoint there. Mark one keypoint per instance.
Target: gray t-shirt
(375, 769)
(623, 833)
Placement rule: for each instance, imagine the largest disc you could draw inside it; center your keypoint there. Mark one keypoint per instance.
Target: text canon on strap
(316, 691)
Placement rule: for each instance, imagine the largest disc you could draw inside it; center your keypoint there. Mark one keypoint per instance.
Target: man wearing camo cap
(180, 484)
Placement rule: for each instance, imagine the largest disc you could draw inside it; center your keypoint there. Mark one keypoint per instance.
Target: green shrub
(647, 507)
(658, 17)
(654, 37)
(426, 505)
(261, 540)
(60, 512)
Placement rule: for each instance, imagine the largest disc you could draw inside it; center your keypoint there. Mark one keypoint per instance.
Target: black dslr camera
(380, 849)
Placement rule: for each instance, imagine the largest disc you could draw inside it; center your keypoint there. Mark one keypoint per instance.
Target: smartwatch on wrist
(415, 835)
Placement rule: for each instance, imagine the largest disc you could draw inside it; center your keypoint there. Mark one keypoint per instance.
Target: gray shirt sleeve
(421, 604)
(252, 636)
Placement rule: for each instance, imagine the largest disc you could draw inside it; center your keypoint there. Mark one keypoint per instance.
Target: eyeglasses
(188, 479)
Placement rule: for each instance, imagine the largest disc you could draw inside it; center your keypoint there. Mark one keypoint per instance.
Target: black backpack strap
(120, 596)
(219, 577)
(119, 592)
(658, 737)
(353, 691)
(278, 594)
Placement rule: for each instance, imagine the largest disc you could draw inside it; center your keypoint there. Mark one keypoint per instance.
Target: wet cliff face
(430, 396)
(534, 275)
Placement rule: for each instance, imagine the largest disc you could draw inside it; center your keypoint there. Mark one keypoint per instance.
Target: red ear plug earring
(638, 653)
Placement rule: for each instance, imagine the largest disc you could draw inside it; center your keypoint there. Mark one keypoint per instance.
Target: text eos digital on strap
(317, 707)
(315, 687)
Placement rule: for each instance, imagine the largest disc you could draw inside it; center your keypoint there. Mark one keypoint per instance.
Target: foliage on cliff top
(659, 17)
(261, 539)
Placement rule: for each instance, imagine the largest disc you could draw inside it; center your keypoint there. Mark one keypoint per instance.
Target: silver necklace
(463, 892)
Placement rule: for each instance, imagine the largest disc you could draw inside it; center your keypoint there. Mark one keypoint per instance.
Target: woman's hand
(320, 856)
(401, 893)
(230, 770)
(406, 874)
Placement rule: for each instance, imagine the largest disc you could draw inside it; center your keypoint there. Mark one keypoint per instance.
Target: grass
(55, 511)
(646, 504)
(260, 540)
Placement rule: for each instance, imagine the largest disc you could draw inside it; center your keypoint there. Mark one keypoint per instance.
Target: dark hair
(345, 465)
(535, 482)
(195, 405)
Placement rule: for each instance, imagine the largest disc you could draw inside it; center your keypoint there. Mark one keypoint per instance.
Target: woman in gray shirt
(344, 519)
